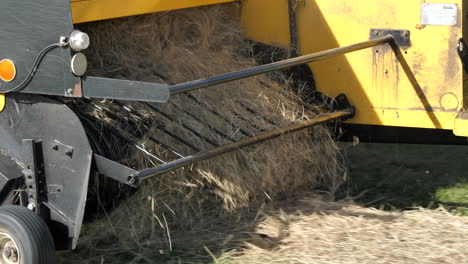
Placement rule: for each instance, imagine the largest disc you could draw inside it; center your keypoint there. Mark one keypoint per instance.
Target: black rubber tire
(30, 233)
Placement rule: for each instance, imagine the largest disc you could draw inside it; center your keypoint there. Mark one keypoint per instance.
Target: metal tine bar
(254, 112)
(141, 148)
(196, 118)
(238, 115)
(109, 112)
(165, 131)
(166, 147)
(207, 82)
(271, 122)
(306, 106)
(92, 123)
(128, 139)
(170, 118)
(204, 105)
(297, 100)
(151, 172)
(152, 139)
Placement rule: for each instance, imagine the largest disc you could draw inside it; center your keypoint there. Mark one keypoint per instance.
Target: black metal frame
(48, 142)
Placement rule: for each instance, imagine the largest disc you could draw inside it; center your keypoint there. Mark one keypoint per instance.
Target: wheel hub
(8, 250)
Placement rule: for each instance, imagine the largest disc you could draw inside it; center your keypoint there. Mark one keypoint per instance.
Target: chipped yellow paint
(373, 79)
(92, 10)
(2, 102)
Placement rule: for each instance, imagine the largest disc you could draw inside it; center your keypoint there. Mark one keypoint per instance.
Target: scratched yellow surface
(373, 79)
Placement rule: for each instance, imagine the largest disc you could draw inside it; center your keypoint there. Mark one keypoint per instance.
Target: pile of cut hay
(196, 205)
(317, 231)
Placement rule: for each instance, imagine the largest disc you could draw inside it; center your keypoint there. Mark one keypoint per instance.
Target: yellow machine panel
(2, 102)
(92, 10)
(429, 94)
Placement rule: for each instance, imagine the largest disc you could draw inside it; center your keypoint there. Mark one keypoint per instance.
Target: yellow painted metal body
(373, 79)
(91, 10)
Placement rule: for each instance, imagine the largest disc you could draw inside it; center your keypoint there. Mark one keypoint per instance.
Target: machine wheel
(24, 237)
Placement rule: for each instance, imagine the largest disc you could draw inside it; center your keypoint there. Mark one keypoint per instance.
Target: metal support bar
(203, 83)
(95, 87)
(149, 173)
(293, 36)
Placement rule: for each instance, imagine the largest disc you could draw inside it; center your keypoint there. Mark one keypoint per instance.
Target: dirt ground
(404, 180)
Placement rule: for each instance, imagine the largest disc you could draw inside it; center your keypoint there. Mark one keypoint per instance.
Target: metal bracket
(402, 37)
(463, 53)
(96, 87)
(35, 177)
(115, 170)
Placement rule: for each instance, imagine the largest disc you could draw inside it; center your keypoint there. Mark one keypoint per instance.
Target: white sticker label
(439, 14)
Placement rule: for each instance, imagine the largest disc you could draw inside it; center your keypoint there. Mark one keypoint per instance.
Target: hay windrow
(175, 47)
(317, 231)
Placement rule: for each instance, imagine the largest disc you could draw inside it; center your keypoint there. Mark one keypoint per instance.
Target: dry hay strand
(202, 200)
(317, 231)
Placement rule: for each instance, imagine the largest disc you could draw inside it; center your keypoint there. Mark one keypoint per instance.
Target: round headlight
(79, 41)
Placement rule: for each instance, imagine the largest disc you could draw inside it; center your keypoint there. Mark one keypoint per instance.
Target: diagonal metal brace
(96, 87)
(204, 155)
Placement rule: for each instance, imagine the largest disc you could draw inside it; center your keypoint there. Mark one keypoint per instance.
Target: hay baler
(400, 64)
